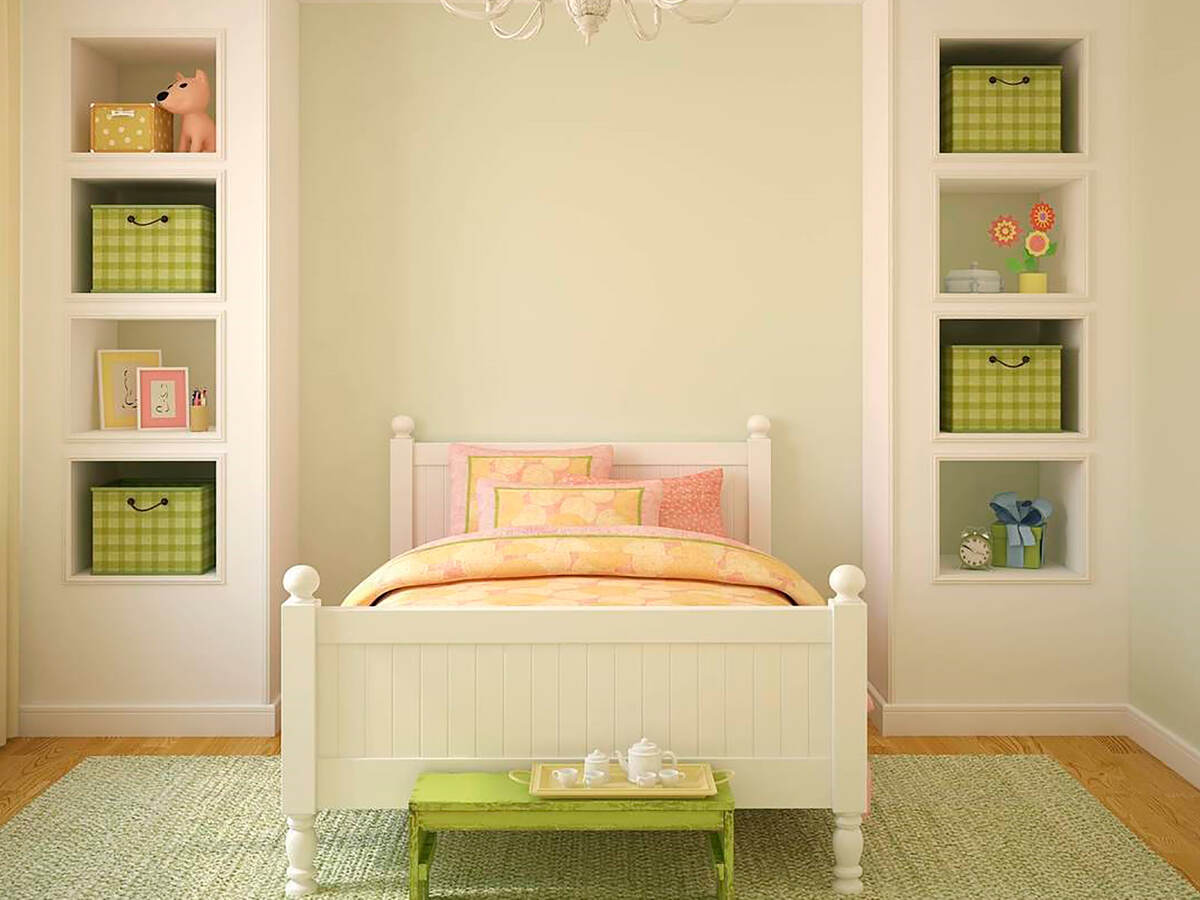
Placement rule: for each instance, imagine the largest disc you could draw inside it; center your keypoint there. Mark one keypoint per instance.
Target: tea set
(644, 764)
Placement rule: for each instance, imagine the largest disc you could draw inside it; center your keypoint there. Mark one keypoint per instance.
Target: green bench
(485, 801)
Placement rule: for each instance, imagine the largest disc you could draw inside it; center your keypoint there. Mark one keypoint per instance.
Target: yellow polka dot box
(131, 128)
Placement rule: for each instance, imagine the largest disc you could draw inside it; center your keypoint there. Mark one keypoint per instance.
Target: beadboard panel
(463, 701)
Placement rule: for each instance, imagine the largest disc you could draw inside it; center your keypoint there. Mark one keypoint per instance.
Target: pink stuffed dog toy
(189, 98)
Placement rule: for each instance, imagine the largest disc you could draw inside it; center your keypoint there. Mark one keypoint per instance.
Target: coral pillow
(602, 503)
(469, 463)
(689, 502)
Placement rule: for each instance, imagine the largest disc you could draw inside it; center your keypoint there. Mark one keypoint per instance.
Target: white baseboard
(249, 720)
(1172, 750)
(933, 719)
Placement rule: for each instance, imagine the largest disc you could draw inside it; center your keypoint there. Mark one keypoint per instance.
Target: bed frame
(372, 697)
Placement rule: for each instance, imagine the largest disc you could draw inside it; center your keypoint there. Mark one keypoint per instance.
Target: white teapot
(645, 758)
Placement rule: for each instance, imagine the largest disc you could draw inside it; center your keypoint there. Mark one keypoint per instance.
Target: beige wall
(547, 241)
(9, 300)
(1165, 597)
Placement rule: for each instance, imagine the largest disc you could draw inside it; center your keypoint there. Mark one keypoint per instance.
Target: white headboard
(420, 481)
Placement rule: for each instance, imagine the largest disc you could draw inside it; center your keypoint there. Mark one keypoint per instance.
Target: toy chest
(131, 128)
(1002, 109)
(146, 528)
(1002, 387)
(153, 248)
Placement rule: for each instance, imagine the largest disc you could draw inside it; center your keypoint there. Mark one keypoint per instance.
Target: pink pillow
(689, 502)
(469, 463)
(580, 503)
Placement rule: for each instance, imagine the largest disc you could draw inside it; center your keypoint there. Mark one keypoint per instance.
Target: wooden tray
(697, 781)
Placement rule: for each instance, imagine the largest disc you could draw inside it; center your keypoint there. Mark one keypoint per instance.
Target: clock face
(975, 551)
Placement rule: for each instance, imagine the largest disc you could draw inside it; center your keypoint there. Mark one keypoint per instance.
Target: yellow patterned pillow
(605, 503)
(469, 464)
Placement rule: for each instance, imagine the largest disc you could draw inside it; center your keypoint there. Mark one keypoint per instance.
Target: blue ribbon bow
(1020, 517)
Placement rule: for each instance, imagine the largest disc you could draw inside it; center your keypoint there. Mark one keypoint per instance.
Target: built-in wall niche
(1069, 52)
(154, 191)
(1071, 333)
(86, 473)
(134, 70)
(192, 342)
(968, 206)
(964, 488)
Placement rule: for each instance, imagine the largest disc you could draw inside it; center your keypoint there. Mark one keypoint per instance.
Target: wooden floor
(1154, 802)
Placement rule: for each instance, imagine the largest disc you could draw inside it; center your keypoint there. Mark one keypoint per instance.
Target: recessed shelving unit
(1070, 332)
(87, 473)
(1070, 52)
(965, 486)
(133, 69)
(89, 190)
(966, 207)
(195, 342)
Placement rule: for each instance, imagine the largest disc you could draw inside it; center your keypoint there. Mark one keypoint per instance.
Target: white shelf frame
(125, 172)
(1054, 573)
(1023, 177)
(1017, 36)
(217, 79)
(1002, 439)
(160, 453)
(135, 437)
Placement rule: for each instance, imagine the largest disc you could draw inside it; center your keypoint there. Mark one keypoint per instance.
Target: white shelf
(1047, 299)
(951, 572)
(134, 436)
(1012, 161)
(86, 577)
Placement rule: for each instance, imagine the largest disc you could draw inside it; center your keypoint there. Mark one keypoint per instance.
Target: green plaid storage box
(1031, 557)
(1002, 387)
(142, 528)
(1002, 109)
(154, 249)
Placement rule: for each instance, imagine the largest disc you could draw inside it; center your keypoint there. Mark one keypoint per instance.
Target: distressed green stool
(487, 801)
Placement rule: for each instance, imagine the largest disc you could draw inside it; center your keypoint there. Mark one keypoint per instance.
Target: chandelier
(588, 16)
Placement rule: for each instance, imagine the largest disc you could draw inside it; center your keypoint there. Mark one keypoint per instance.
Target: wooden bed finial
(758, 426)
(402, 426)
(847, 583)
(302, 583)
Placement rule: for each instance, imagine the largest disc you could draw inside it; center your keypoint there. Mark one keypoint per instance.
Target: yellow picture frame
(116, 385)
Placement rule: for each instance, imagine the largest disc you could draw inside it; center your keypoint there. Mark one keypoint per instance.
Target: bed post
(401, 485)
(849, 725)
(298, 741)
(758, 474)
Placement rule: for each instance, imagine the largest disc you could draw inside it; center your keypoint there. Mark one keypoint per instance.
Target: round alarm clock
(975, 549)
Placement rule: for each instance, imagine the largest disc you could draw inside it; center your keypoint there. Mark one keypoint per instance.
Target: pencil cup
(199, 418)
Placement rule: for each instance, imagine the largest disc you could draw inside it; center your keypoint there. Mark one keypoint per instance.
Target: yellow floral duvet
(622, 566)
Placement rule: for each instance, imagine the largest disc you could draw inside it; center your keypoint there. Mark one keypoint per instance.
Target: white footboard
(372, 697)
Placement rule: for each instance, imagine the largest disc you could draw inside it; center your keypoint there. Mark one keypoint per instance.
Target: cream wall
(10, 79)
(1165, 599)
(551, 241)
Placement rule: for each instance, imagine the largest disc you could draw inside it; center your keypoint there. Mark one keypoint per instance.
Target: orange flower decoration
(1041, 217)
(1004, 231)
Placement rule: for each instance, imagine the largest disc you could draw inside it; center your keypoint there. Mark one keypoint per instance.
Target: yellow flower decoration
(1037, 243)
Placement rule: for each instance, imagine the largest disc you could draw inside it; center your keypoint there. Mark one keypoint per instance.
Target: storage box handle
(133, 221)
(1025, 360)
(133, 505)
(992, 79)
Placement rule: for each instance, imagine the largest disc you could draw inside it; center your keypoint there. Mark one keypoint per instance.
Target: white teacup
(647, 779)
(566, 778)
(670, 777)
(595, 778)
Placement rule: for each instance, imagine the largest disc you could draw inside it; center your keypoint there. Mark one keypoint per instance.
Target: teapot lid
(598, 755)
(644, 747)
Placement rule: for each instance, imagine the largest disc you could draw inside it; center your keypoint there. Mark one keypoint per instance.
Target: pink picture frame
(162, 398)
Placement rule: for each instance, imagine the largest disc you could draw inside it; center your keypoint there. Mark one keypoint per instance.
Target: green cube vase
(1002, 109)
(1002, 387)
(140, 248)
(147, 528)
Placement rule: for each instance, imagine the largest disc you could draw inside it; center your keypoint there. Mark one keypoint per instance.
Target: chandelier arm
(531, 26)
(705, 20)
(636, 24)
(489, 13)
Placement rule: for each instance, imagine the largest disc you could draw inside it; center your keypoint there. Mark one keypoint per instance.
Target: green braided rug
(973, 827)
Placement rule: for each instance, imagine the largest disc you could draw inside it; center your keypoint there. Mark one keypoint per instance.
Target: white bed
(372, 697)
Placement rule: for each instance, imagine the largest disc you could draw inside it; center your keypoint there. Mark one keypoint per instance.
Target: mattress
(621, 566)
